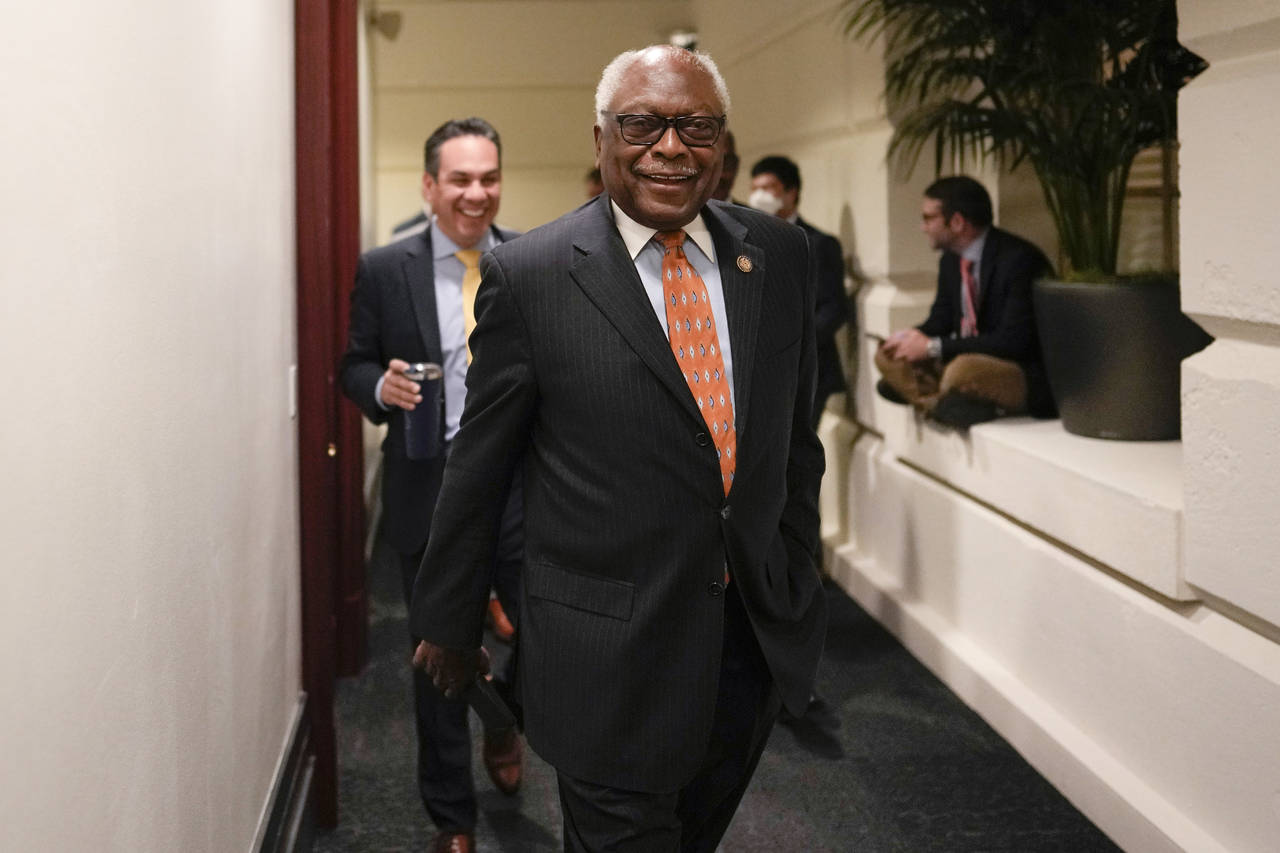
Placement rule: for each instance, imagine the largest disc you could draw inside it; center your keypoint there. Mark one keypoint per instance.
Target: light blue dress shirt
(453, 335)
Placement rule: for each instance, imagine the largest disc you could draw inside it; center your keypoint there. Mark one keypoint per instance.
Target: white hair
(611, 77)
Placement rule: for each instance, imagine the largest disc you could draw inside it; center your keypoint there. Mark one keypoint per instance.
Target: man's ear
(595, 132)
(428, 184)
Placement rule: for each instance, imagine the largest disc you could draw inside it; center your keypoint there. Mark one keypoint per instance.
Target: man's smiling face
(665, 184)
(465, 191)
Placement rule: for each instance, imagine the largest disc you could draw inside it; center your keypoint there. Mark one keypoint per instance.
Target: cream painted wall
(1231, 391)
(529, 68)
(149, 616)
(802, 90)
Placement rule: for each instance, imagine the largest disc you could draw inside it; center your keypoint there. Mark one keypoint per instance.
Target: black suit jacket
(1006, 322)
(393, 315)
(832, 306)
(627, 527)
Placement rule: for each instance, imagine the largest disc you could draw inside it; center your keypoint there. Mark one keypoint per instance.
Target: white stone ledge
(1119, 503)
(1161, 721)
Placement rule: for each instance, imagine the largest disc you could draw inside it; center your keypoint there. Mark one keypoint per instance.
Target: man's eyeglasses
(646, 129)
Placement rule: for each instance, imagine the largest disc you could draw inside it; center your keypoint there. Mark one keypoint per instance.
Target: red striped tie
(969, 322)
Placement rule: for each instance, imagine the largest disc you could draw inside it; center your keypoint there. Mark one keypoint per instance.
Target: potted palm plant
(1076, 89)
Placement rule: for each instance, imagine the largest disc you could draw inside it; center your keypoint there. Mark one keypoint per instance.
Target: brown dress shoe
(503, 758)
(449, 842)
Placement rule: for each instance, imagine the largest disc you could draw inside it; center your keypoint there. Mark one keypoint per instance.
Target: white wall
(149, 650)
(529, 68)
(1230, 254)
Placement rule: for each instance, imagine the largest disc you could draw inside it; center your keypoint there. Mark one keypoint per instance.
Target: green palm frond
(1074, 87)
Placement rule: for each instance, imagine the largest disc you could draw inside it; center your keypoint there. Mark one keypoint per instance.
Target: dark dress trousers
(393, 315)
(1006, 322)
(628, 531)
(830, 313)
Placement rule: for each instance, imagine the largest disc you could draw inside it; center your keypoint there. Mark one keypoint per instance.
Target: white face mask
(765, 201)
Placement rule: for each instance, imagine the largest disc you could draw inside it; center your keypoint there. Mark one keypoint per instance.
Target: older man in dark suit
(413, 302)
(977, 355)
(649, 359)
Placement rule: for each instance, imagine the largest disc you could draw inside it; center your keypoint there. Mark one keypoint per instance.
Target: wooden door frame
(330, 446)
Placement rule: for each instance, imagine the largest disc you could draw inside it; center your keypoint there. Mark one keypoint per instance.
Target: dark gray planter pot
(1113, 353)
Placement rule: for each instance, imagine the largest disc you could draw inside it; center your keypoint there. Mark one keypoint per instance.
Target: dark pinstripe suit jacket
(393, 315)
(627, 528)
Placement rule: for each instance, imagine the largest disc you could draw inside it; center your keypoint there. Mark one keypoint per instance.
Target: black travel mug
(422, 425)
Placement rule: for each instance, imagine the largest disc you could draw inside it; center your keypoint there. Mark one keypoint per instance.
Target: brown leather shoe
(504, 759)
(449, 842)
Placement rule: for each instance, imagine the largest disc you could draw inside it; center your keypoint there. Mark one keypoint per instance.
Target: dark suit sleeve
(806, 460)
(453, 584)
(941, 320)
(832, 308)
(1014, 335)
(363, 362)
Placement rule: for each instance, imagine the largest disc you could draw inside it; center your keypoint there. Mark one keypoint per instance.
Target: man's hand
(451, 670)
(907, 345)
(398, 389)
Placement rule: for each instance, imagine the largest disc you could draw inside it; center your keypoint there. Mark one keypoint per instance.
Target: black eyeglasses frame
(669, 122)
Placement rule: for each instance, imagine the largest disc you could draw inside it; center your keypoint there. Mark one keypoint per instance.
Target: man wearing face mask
(775, 189)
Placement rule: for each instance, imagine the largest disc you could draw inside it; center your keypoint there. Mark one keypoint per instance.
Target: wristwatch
(935, 348)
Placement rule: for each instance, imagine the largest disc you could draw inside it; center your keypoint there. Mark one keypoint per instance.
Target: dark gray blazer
(831, 306)
(393, 315)
(627, 527)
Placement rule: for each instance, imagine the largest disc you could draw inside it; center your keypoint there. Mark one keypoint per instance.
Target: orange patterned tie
(691, 327)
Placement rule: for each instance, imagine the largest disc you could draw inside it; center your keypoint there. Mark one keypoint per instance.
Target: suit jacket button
(725, 512)
(702, 439)
(715, 588)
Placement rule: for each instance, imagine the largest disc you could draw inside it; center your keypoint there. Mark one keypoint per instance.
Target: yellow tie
(470, 284)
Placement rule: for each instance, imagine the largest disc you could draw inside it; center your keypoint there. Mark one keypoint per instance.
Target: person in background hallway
(775, 188)
(977, 355)
(592, 183)
(729, 174)
(649, 359)
(410, 305)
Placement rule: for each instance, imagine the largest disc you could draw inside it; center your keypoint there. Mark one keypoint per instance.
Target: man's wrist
(934, 348)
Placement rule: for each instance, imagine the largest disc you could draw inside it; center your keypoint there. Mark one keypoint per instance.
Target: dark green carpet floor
(896, 763)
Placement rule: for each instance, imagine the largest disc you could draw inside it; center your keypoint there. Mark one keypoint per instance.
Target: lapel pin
(744, 263)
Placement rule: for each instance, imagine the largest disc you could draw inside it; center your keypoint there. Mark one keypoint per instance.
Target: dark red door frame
(329, 443)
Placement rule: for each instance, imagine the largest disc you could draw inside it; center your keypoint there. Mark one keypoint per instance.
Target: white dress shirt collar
(973, 251)
(637, 236)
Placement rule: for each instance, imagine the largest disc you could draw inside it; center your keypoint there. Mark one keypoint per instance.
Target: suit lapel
(420, 282)
(605, 272)
(743, 291)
